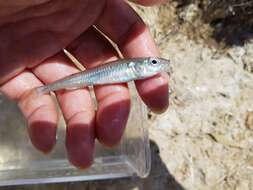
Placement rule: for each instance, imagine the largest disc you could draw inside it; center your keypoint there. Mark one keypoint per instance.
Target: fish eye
(154, 61)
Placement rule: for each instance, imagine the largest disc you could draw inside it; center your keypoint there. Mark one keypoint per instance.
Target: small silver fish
(123, 70)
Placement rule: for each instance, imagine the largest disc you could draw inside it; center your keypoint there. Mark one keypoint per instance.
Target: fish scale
(123, 70)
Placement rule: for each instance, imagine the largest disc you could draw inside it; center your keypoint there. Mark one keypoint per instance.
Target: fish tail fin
(41, 90)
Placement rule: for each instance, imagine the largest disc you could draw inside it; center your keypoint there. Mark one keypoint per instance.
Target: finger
(93, 49)
(40, 112)
(134, 40)
(149, 2)
(12, 6)
(77, 109)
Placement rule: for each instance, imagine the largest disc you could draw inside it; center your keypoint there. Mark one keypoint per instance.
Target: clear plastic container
(20, 163)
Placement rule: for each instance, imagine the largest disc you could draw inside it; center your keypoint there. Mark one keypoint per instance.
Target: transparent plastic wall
(20, 163)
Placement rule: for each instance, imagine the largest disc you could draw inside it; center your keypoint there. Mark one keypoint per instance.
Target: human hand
(30, 55)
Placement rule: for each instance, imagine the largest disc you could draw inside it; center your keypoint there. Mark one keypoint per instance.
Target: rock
(249, 120)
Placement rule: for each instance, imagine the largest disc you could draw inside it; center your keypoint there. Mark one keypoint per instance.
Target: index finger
(123, 26)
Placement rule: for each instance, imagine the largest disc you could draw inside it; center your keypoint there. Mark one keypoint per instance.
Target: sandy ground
(204, 141)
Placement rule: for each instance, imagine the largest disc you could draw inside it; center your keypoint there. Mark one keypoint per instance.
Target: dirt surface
(204, 140)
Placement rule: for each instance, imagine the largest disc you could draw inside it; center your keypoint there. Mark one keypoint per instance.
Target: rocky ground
(205, 139)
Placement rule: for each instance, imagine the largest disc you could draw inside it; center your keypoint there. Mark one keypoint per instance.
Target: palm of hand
(30, 55)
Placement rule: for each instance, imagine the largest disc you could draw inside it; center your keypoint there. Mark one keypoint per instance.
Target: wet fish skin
(123, 70)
